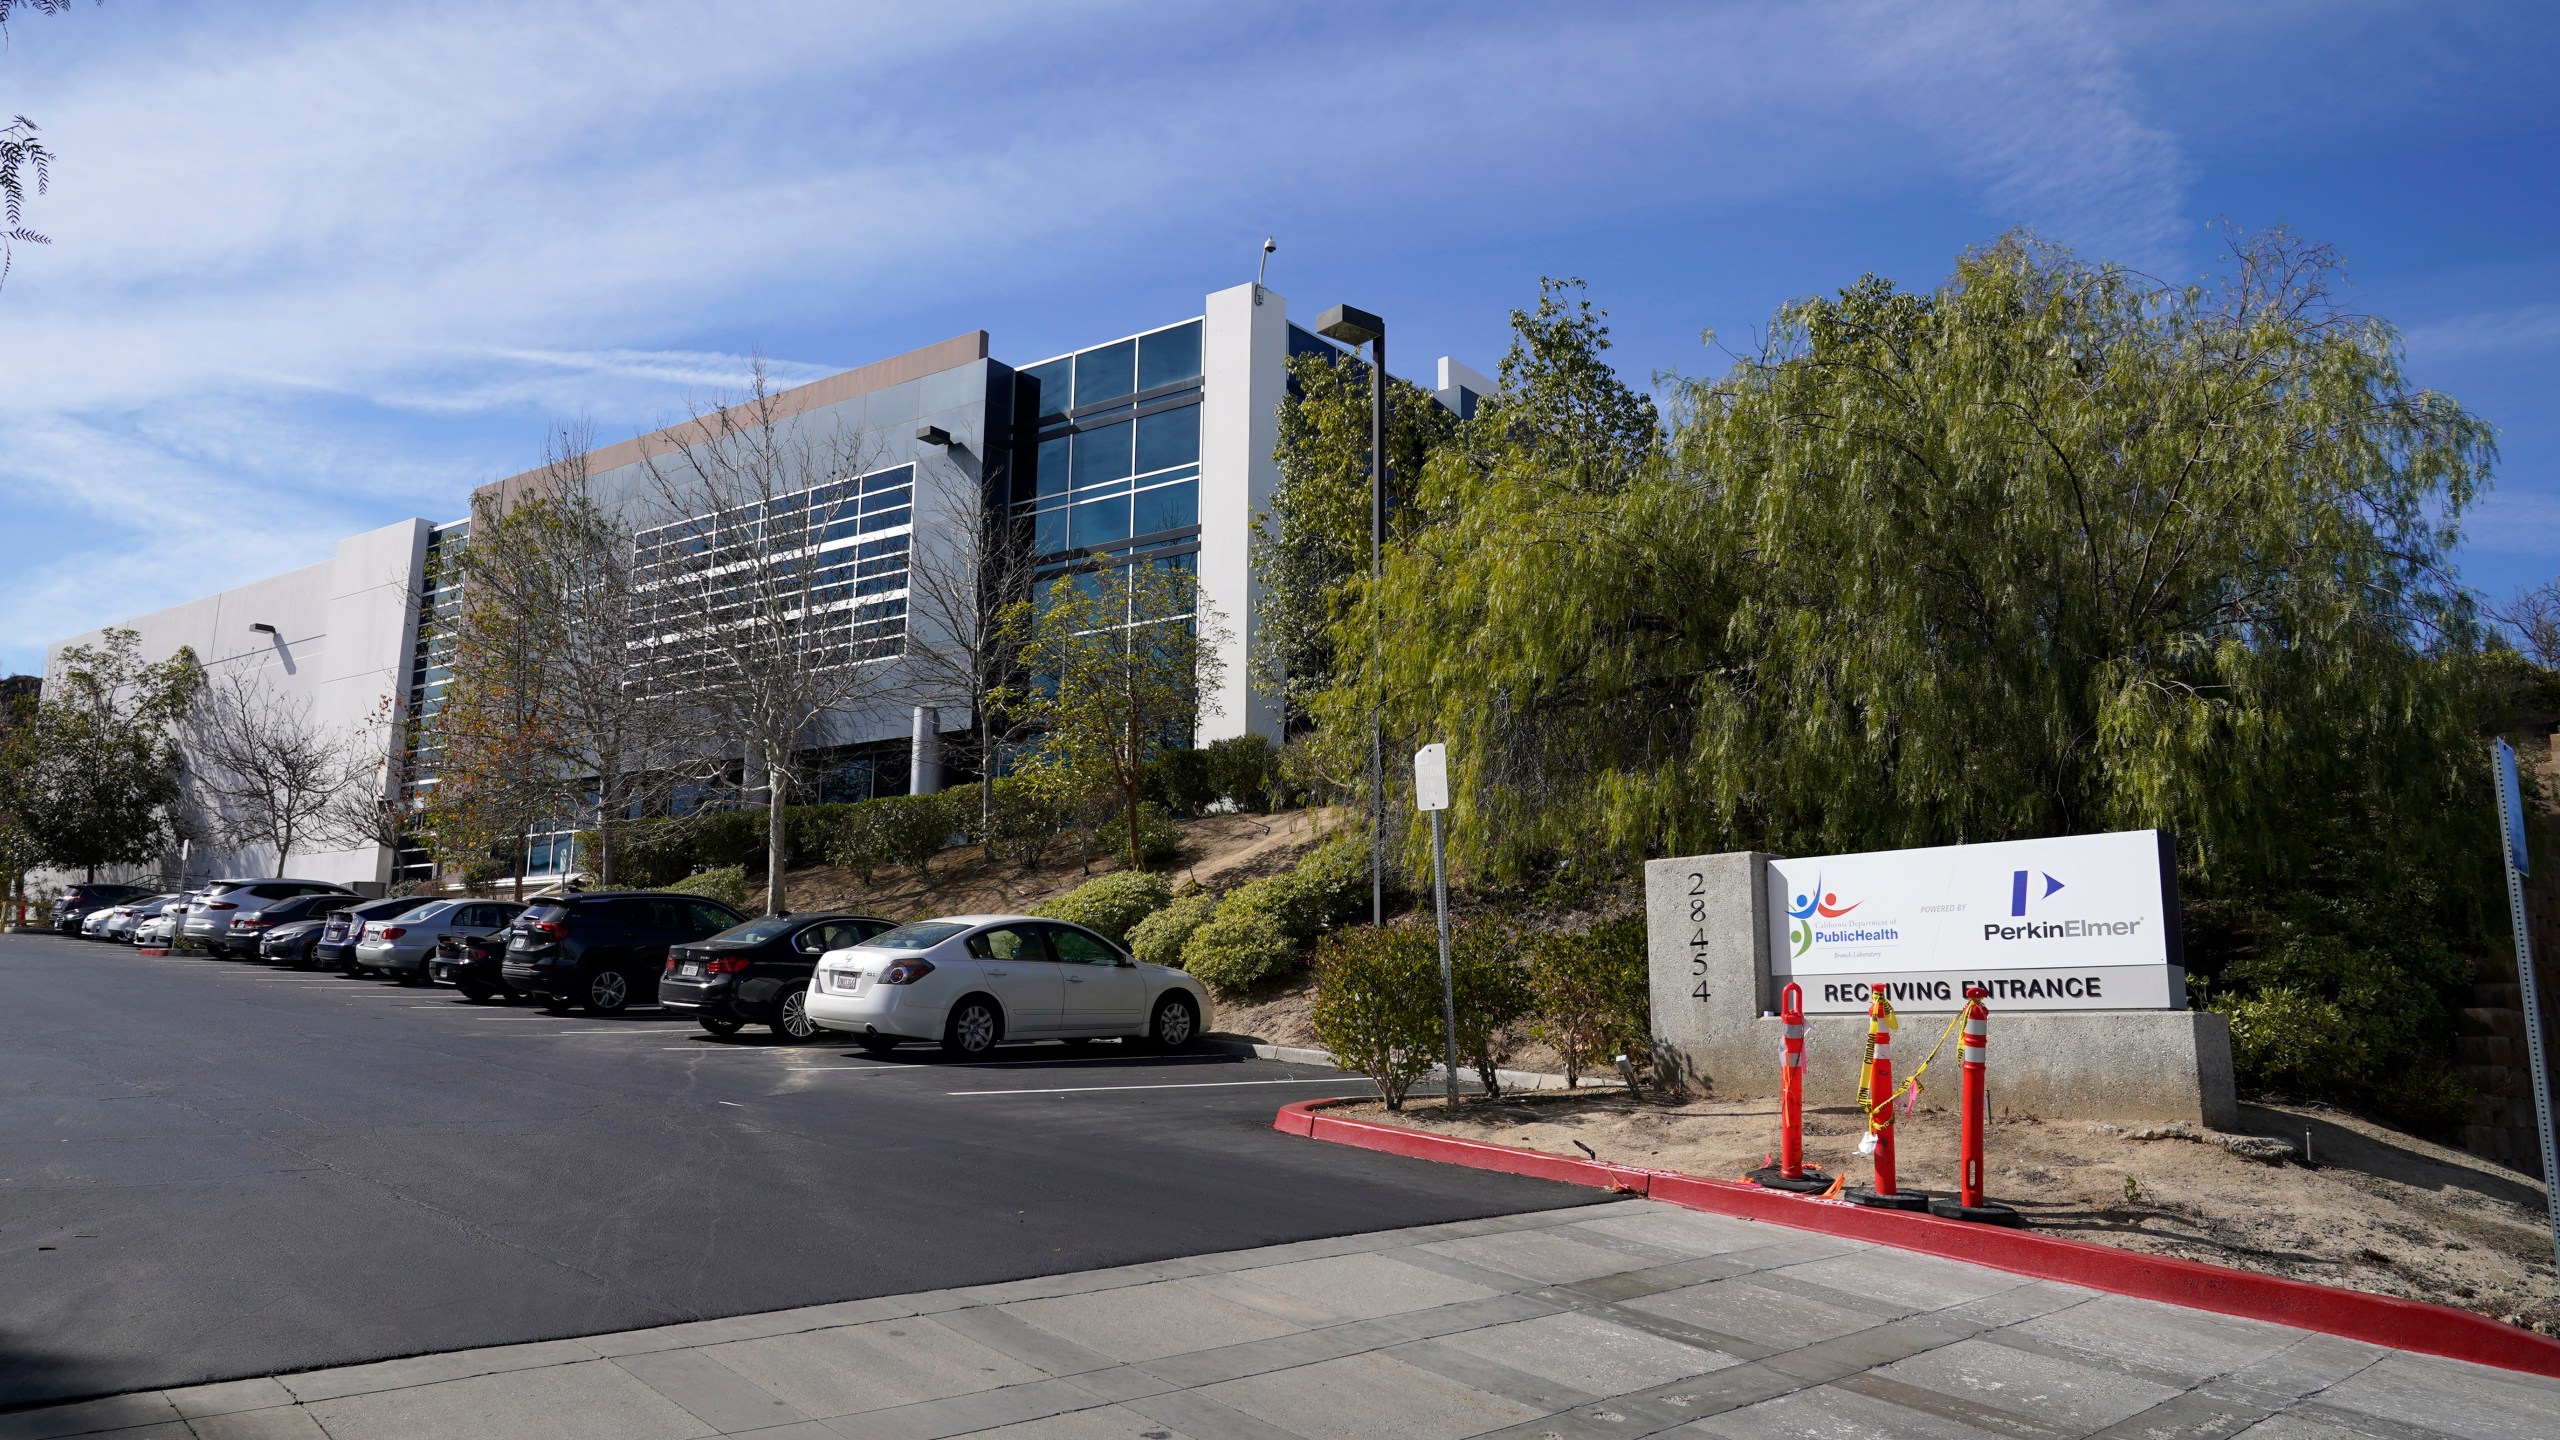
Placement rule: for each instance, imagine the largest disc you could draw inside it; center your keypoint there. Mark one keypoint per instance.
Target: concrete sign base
(1713, 998)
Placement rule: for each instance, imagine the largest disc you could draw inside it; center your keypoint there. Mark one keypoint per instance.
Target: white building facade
(1155, 446)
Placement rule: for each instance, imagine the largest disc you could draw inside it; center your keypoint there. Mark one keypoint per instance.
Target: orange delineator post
(1880, 1098)
(1790, 1172)
(1976, 1056)
(1977, 1036)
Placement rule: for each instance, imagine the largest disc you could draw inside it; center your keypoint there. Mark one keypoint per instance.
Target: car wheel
(875, 1044)
(719, 1024)
(791, 1017)
(974, 1027)
(473, 991)
(1176, 1025)
(420, 976)
(607, 992)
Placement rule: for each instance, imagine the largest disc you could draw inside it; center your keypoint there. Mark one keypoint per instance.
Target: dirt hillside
(2374, 1210)
(1218, 851)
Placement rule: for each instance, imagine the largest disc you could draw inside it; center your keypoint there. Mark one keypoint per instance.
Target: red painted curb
(2355, 1314)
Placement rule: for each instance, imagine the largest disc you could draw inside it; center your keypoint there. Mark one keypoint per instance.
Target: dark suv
(76, 901)
(604, 951)
(759, 972)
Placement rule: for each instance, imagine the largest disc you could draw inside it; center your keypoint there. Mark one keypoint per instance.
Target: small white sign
(1431, 777)
(2074, 922)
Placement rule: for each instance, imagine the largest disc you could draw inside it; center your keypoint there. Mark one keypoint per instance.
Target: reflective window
(1099, 522)
(1102, 455)
(1169, 438)
(1075, 947)
(1107, 373)
(1168, 507)
(1169, 356)
(1049, 531)
(1049, 468)
(1047, 386)
(1007, 942)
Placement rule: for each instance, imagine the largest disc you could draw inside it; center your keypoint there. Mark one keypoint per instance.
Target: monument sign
(2080, 922)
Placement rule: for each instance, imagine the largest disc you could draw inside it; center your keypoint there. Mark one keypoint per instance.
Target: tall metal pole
(1448, 983)
(2515, 861)
(1377, 718)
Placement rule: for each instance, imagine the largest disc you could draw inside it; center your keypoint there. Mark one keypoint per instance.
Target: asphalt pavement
(215, 1169)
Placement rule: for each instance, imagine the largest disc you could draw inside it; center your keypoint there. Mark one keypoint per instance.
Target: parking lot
(215, 1168)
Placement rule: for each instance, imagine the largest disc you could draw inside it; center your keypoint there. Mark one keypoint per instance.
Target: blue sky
(321, 267)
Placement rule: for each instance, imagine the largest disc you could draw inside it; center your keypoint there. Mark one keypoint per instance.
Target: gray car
(403, 944)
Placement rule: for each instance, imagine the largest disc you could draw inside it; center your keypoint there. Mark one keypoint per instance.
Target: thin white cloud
(2525, 330)
(293, 244)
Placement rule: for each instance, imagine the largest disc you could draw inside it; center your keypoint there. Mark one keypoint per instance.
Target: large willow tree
(2050, 548)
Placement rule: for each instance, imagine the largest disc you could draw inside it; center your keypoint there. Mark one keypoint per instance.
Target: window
(1007, 943)
(1098, 523)
(1102, 456)
(1106, 374)
(1044, 387)
(1169, 438)
(1167, 507)
(709, 919)
(1170, 356)
(922, 935)
(1075, 947)
(1049, 467)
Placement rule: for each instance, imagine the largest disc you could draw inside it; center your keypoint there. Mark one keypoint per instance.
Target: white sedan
(970, 981)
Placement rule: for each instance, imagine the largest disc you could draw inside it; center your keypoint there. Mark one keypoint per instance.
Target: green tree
(2051, 548)
(1314, 539)
(1123, 657)
(490, 750)
(102, 785)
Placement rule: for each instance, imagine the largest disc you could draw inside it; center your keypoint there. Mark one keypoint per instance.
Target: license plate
(689, 968)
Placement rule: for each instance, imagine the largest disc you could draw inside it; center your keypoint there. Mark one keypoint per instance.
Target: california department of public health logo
(1819, 902)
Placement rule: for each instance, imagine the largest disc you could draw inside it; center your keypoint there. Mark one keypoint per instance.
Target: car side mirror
(1125, 963)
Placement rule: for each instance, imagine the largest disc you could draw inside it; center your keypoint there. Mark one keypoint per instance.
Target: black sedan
(758, 973)
(293, 942)
(337, 947)
(473, 964)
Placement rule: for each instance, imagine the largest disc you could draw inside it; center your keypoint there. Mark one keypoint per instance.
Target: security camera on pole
(1431, 796)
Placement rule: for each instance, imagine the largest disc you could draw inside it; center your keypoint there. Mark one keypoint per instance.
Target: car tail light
(725, 965)
(219, 905)
(394, 932)
(906, 972)
(250, 922)
(547, 929)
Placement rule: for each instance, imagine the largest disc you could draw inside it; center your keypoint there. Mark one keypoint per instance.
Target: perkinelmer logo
(2020, 886)
(2018, 890)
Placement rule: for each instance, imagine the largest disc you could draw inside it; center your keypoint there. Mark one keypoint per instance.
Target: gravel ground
(2376, 1209)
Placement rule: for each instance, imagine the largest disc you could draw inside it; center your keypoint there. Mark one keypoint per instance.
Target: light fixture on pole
(1354, 327)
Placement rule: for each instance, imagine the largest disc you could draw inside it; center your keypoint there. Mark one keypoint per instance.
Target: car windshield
(428, 911)
(921, 935)
(754, 932)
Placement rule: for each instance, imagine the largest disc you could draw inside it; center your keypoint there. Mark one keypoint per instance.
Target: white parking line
(1195, 1085)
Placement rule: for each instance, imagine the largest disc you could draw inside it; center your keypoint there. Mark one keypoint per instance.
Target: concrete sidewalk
(1618, 1320)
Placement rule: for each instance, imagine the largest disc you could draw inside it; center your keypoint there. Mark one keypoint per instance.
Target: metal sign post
(2519, 863)
(1431, 796)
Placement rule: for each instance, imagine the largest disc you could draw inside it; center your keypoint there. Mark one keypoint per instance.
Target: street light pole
(1354, 327)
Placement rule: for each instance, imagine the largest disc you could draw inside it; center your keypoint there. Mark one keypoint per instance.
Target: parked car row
(964, 982)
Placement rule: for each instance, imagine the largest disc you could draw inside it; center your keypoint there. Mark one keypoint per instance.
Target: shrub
(1025, 820)
(1239, 770)
(1236, 947)
(1113, 904)
(727, 885)
(1491, 996)
(1180, 779)
(904, 830)
(1327, 887)
(1592, 996)
(1159, 839)
(1378, 1004)
(1158, 939)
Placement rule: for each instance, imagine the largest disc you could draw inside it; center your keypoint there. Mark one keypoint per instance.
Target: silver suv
(210, 914)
